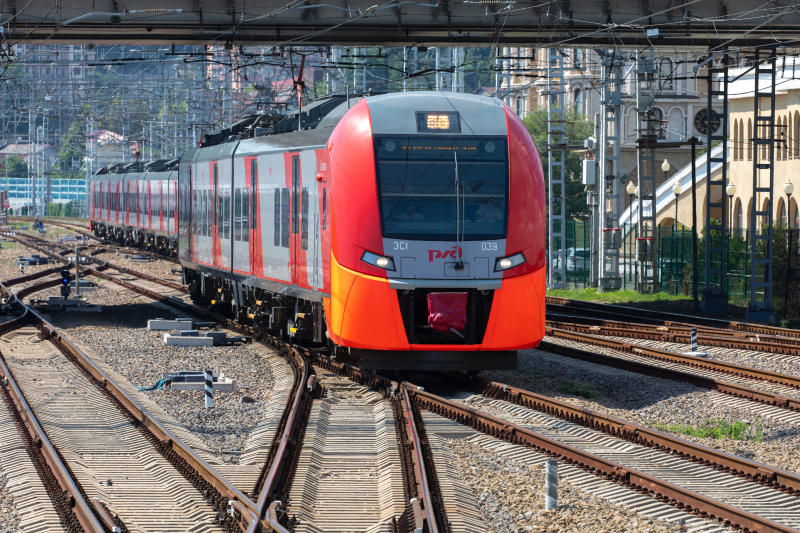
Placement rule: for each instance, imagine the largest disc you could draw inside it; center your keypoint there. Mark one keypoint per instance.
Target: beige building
(741, 156)
(680, 97)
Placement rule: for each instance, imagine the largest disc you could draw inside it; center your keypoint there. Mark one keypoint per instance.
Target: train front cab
(388, 257)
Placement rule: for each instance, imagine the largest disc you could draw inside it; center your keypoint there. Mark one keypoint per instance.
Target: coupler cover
(447, 311)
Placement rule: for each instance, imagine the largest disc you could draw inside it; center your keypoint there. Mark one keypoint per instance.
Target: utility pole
(608, 184)
(715, 291)
(760, 308)
(646, 244)
(556, 159)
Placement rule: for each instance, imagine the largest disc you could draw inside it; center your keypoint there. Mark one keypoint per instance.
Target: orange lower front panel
(363, 312)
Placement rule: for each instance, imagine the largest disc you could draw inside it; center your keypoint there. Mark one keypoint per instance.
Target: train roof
(323, 115)
(159, 165)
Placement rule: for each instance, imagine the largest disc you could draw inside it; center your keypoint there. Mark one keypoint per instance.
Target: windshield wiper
(459, 217)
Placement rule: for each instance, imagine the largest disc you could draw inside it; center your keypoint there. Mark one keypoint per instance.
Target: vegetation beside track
(719, 429)
(615, 297)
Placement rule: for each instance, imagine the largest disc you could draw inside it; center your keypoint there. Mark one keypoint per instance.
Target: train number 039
(488, 246)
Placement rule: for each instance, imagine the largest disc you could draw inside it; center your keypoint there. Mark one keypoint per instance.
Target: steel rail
(424, 489)
(752, 470)
(681, 335)
(639, 315)
(679, 497)
(738, 391)
(688, 360)
(675, 333)
(279, 463)
(62, 475)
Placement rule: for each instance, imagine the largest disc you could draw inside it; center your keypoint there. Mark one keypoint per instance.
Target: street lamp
(676, 190)
(665, 166)
(730, 190)
(788, 188)
(631, 190)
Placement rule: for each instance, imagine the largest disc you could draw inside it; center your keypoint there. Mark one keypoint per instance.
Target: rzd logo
(453, 253)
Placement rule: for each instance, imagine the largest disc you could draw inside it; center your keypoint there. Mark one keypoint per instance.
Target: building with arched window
(786, 150)
(679, 98)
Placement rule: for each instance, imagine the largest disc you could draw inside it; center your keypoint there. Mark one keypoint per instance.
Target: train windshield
(419, 199)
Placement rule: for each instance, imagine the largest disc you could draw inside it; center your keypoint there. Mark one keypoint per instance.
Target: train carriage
(406, 230)
(136, 204)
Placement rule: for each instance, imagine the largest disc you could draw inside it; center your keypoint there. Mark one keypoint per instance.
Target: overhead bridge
(692, 23)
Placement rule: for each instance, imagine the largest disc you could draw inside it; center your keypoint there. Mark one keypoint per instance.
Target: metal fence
(674, 263)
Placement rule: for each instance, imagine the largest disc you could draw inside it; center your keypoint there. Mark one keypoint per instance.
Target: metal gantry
(715, 292)
(609, 184)
(556, 158)
(444, 69)
(760, 308)
(646, 248)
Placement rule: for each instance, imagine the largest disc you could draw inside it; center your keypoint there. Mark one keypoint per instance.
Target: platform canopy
(694, 23)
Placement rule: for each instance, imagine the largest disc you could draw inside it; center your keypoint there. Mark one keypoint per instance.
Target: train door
(295, 224)
(162, 203)
(252, 188)
(216, 214)
(126, 186)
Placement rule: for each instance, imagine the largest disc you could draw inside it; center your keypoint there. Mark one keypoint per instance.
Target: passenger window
(226, 222)
(304, 233)
(277, 229)
(285, 217)
(237, 215)
(245, 222)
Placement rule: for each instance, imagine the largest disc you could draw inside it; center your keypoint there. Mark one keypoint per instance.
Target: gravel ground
(9, 520)
(650, 401)
(119, 339)
(158, 267)
(9, 253)
(510, 496)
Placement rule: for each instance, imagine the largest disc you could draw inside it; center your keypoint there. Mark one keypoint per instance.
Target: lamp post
(676, 190)
(631, 190)
(788, 188)
(730, 190)
(665, 166)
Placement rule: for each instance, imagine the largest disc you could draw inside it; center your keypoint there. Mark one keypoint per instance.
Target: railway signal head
(65, 282)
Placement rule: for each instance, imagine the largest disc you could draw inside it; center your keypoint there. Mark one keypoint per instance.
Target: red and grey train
(406, 230)
(136, 204)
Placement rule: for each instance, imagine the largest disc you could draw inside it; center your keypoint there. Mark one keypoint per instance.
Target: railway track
(683, 474)
(625, 356)
(647, 322)
(120, 454)
(759, 515)
(677, 334)
(280, 481)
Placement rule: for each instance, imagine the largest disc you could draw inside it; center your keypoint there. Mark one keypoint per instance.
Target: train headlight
(504, 263)
(380, 261)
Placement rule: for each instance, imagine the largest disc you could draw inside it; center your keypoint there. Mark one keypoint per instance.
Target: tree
(577, 129)
(72, 148)
(16, 167)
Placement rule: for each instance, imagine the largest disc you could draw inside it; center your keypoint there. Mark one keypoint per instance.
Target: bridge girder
(694, 23)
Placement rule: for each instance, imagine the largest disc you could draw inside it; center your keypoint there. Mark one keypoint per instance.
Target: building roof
(22, 149)
(106, 137)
